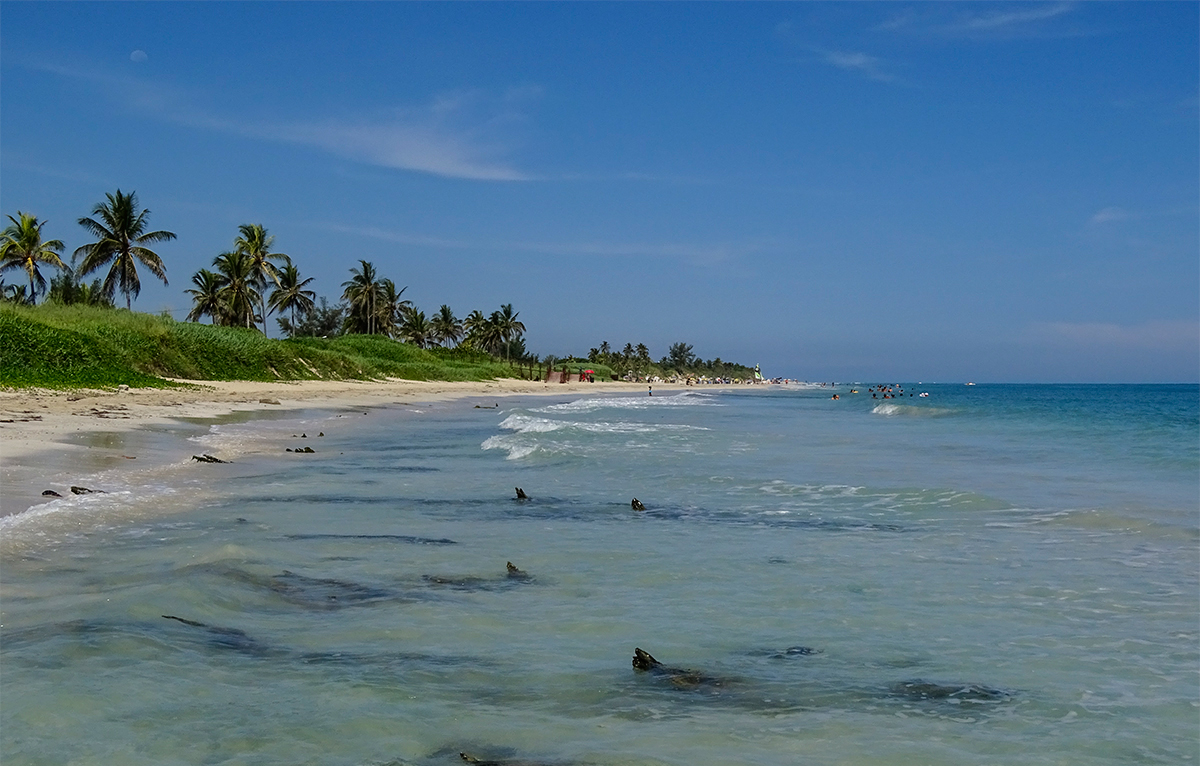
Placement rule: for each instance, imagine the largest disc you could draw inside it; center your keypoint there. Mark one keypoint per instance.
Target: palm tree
(416, 329)
(122, 233)
(21, 247)
(362, 292)
(238, 292)
(12, 293)
(253, 240)
(643, 355)
(492, 335)
(446, 327)
(680, 357)
(290, 294)
(475, 326)
(507, 326)
(392, 309)
(206, 298)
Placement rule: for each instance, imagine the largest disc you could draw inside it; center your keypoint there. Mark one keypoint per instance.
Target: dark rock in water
(302, 450)
(926, 690)
(512, 576)
(86, 491)
(521, 494)
(206, 458)
(643, 661)
(679, 678)
(637, 505)
(50, 493)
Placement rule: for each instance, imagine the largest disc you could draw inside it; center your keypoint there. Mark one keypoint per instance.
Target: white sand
(42, 432)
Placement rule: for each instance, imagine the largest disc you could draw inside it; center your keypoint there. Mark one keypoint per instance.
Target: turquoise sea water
(990, 575)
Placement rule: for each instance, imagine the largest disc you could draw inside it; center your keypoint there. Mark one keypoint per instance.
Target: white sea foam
(67, 516)
(239, 439)
(515, 450)
(907, 410)
(684, 399)
(529, 424)
(529, 434)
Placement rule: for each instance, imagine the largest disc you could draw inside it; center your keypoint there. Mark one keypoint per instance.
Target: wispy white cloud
(998, 20)
(400, 238)
(411, 141)
(698, 253)
(868, 66)
(1109, 215)
(684, 251)
(1009, 19)
(457, 135)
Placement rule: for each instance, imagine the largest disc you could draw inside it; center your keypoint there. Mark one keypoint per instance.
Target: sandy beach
(41, 430)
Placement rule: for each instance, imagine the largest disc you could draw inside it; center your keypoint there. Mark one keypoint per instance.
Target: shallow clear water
(1031, 551)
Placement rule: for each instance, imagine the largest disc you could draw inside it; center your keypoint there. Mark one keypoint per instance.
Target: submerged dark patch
(398, 538)
(229, 638)
(326, 592)
(511, 577)
(920, 690)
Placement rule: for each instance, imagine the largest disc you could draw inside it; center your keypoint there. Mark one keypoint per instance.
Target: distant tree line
(635, 361)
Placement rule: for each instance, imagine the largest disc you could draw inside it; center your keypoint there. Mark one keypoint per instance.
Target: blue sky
(838, 191)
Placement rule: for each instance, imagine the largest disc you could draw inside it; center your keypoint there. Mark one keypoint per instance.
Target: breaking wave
(684, 399)
(529, 434)
(909, 410)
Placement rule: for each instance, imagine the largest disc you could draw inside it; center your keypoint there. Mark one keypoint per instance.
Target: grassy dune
(78, 346)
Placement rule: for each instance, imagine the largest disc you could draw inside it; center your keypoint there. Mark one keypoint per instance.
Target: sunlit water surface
(1026, 556)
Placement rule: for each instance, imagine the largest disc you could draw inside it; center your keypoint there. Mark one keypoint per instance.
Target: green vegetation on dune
(33, 353)
(84, 346)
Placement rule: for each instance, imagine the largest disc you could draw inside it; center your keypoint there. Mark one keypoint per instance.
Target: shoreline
(42, 431)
